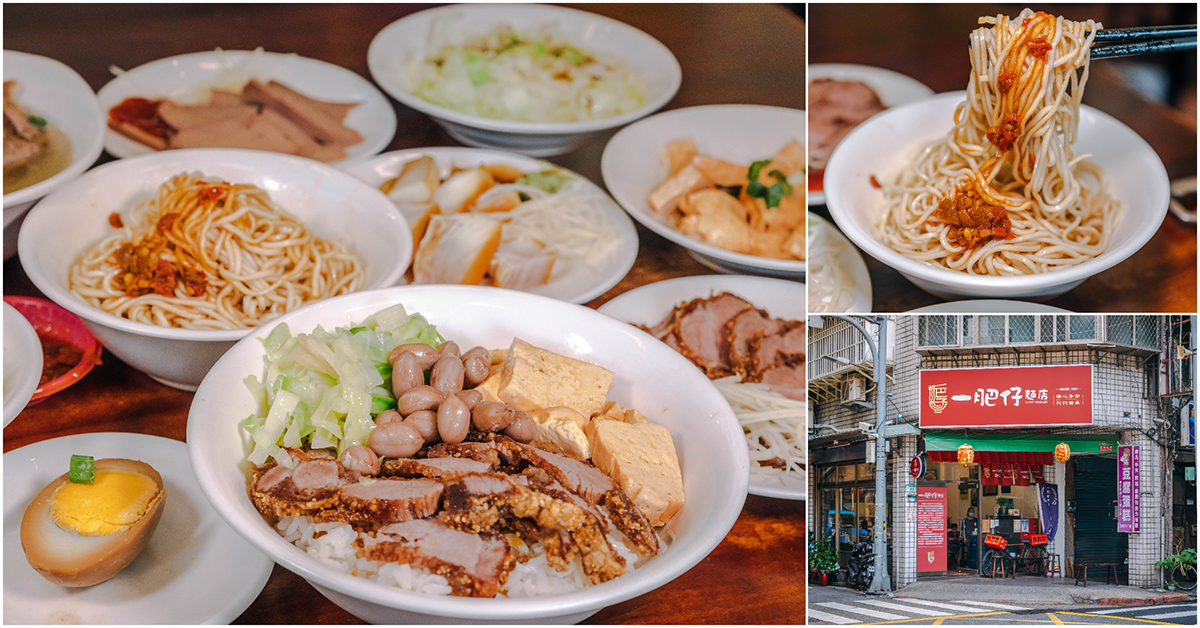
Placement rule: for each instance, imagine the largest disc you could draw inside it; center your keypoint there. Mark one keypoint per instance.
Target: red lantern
(1062, 452)
(966, 453)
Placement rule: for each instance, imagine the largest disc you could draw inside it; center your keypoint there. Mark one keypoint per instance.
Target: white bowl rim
(957, 279)
(57, 294)
(516, 126)
(493, 609)
(668, 232)
(85, 155)
(29, 347)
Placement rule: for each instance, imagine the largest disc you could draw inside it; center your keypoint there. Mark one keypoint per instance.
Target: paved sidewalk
(1037, 591)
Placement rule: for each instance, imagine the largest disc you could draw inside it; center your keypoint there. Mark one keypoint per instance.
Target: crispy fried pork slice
(595, 487)
(433, 467)
(492, 501)
(488, 452)
(747, 326)
(385, 501)
(313, 486)
(700, 330)
(476, 565)
(783, 348)
(787, 380)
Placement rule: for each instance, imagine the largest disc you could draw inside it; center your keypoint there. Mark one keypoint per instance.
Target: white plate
(848, 262)
(181, 77)
(196, 569)
(1134, 175)
(22, 362)
(635, 162)
(405, 40)
(893, 88)
(989, 306)
(57, 93)
(584, 281)
(649, 304)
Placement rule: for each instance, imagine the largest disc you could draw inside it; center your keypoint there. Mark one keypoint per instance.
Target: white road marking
(1006, 607)
(1126, 609)
(906, 609)
(861, 611)
(1167, 615)
(952, 607)
(830, 617)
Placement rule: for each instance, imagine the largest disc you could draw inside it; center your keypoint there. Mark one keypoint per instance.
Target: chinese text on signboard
(931, 529)
(1129, 502)
(1016, 396)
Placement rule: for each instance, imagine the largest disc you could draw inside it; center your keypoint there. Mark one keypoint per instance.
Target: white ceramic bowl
(57, 93)
(649, 376)
(334, 204)
(406, 38)
(186, 78)
(635, 162)
(1134, 175)
(22, 362)
(584, 280)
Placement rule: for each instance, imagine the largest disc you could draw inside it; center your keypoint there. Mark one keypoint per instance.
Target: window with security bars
(1082, 327)
(936, 331)
(1118, 329)
(1021, 329)
(1053, 329)
(983, 330)
(1179, 353)
(1145, 332)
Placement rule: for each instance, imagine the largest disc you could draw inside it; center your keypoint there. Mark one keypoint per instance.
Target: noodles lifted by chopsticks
(207, 254)
(1003, 193)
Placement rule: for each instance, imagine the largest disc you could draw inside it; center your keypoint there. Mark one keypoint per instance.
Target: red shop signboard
(1014, 396)
(931, 529)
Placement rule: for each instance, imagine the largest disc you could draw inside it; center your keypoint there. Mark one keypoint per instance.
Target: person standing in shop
(970, 531)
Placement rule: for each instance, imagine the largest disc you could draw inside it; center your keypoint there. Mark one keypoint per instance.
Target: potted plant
(824, 561)
(1177, 565)
(1004, 504)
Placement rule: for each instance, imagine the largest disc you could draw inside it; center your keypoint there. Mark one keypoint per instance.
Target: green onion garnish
(83, 469)
(772, 194)
(36, 120)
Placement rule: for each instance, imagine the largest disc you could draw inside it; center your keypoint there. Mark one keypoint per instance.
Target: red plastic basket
(995, 541)
(1038, 539)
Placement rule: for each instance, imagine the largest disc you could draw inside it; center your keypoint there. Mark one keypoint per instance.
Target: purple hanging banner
(1129, 502)
(1048, 499)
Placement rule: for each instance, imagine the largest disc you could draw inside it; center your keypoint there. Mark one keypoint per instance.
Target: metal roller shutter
(1096, 536)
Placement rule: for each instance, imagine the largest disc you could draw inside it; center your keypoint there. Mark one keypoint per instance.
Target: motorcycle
(860, 569)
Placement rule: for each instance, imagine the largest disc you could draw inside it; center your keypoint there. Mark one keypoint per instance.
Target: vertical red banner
(931, 529)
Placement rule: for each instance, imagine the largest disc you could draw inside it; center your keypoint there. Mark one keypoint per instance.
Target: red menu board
(1007, 396)
(931, 528)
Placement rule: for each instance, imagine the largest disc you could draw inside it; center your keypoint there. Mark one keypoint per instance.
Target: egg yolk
(112, 503)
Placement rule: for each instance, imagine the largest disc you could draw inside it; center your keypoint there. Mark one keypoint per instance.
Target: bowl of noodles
(170, 258)
(534, 79)
(646, 375)
(1011, 189)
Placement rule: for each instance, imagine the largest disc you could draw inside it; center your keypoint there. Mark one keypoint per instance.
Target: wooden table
(729, 54)
(929, 43)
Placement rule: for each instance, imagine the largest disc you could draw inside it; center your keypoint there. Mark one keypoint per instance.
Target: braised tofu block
(534, 378)
(560, 430)
(641, 458)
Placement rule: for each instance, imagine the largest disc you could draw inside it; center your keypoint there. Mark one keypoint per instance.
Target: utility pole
(881, 584)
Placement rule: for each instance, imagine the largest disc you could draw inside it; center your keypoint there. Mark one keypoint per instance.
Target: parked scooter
(860, 569)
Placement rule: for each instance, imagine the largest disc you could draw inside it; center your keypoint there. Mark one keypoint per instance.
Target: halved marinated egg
(81, 534)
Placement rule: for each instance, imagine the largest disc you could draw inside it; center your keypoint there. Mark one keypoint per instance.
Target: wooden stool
(1053, 565)
(994, 565)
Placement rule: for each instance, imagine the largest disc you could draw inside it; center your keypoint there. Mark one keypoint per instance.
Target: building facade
(1006, 392)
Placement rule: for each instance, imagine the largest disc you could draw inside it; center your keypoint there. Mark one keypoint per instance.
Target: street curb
(1134, 601)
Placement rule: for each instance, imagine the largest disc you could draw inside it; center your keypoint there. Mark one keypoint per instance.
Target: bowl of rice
(647, 376)
(283, 234)
(534, 79)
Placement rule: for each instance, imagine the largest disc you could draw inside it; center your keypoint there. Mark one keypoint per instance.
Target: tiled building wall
(1146, 547)
(904, 515)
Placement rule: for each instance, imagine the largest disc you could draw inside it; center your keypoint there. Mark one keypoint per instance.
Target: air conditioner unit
(854, 388)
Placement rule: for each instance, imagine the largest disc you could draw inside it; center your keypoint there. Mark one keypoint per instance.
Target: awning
(1014, 448)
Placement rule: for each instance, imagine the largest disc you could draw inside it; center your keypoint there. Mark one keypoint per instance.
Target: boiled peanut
(361, 460)
(448, 374)
(418, 398)
(491, 416)
(475, 370)
(406, 373)
(453, 420)
(425, 422)
(395, 440)
(522, 428)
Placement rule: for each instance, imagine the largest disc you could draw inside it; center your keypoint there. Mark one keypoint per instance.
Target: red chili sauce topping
(58, 357)
(816, 180)
(875, 183)
(1006, 81)
(1038, 47)
(973, 221)
(1005, 134)
(145, 271)
(141, 113)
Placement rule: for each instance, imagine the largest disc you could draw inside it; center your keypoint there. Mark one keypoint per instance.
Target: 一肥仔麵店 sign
(1007, 396)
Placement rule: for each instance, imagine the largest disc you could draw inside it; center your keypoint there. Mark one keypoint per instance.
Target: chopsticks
(1127, 42)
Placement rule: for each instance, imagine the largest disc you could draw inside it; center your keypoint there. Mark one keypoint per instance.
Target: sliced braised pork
(434, 467)
(700, 331)
(475, 564)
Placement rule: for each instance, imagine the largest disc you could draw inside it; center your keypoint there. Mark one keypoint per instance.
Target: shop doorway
(1096, 538)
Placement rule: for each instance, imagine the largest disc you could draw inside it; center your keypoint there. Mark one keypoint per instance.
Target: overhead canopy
(1014, 448)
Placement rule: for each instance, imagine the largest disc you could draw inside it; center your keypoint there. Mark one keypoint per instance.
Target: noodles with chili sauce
(1003, 193)
(208, 254)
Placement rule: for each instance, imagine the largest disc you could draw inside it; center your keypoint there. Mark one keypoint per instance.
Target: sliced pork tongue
(700, 329)
(476, 565)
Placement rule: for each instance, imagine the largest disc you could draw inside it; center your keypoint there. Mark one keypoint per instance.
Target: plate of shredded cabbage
(531, 78)
(838, 280)
(587, 242)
